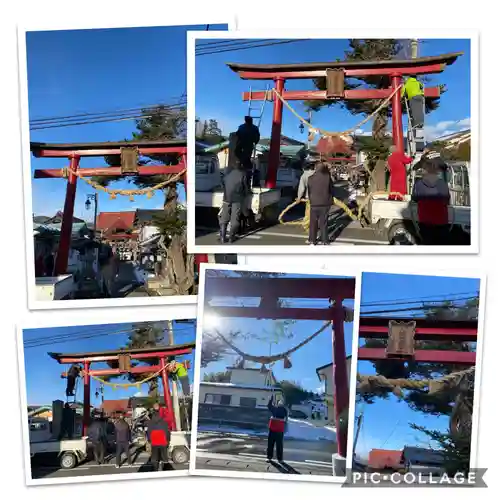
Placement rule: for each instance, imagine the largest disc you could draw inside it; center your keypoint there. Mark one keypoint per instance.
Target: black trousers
(232, 212)
(70, 386)
(275, 438)
(122, 448)
(99, 451)
(186, 390)
(319, 224)
(433, 234)
(158, 454)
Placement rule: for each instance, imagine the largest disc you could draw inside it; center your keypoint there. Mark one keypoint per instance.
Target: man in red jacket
(396, 163)
(432, 195)
(159, 439)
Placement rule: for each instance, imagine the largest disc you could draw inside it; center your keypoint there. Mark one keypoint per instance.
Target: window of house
(248, 402)
(218, 399)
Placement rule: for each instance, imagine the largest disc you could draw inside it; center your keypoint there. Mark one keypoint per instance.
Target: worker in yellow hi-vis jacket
(179, 371)
(413, 90)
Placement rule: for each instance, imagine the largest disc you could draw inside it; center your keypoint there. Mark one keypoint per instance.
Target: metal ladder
(256, 112)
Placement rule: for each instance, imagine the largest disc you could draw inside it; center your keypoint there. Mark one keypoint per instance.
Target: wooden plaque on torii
(401, 341)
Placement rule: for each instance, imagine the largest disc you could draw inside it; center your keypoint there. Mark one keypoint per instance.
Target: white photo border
(304, 270)
(479, 352)
(81, 318)
(176, 19)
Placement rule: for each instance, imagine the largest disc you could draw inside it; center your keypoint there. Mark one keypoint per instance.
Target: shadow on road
(283, 467)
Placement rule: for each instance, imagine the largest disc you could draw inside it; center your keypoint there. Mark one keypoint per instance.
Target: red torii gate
(270, 290)
(161, 353)
(437, 330)
(74, 152)
(335, 73)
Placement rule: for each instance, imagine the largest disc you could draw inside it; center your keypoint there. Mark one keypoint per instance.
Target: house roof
(328, 365)
(107, 221)
(243, 386)
(115, 405)
(446, 59)
(381, 459)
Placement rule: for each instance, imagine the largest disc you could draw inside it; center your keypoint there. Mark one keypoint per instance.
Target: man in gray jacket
(236, 189)
(302, 189)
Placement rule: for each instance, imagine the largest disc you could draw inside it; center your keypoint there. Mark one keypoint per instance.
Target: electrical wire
(216, 51)
(106, 120)
(412, 300)
(182, 99)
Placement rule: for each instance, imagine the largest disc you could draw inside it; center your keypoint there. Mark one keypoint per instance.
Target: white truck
(209, 193)
(398, 220)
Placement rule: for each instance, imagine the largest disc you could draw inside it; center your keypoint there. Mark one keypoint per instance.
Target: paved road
(50, 469)
(248, 453)
(342, 230)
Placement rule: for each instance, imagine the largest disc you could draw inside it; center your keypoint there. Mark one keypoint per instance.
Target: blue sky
(218, 89)
(43, 381)
(317, 353)
(90, 71)
(386, 422)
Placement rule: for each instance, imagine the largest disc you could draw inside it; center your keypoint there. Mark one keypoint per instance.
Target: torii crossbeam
(335, 74)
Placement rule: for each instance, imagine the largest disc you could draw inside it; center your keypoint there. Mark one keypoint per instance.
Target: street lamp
(88, 204)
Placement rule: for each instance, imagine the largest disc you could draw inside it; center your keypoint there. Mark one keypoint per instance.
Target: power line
(89, 115)
(409, 300)
(241, 41)
(107, 120)
(208, 52)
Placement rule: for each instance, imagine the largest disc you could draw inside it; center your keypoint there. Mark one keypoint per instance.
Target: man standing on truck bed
(234, 202)
(248, 136)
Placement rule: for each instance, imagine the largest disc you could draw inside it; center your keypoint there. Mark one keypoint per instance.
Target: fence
(236, 416)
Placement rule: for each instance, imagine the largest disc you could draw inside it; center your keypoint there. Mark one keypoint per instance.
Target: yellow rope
(325, 133)
(304, 222)
(149, 192)
(368, 383)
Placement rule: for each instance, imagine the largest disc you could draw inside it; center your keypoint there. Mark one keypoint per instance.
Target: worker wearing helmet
(277, 425)
(179, 371)
(413, 91)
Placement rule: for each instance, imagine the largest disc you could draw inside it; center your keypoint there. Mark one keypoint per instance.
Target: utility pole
(358, 429)
(175, 392)
(414, 48)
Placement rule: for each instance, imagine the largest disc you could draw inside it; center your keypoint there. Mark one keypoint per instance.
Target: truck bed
(260, 198)
(56, 446)
(381, 208)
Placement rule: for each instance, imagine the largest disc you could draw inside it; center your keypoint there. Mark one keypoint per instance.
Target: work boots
(222, 233)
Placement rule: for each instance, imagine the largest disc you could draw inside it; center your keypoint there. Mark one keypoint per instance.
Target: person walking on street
(234, 203)
(431, 193)
(97, 438)
(159, 439)
(320, 191)
(123, 437)
(277, 424)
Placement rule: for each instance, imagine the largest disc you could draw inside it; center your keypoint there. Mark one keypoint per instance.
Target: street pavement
(342, 231)
(248, 454)
(140, 463)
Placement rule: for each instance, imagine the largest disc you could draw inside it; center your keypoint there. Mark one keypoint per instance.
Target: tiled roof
(115, 220)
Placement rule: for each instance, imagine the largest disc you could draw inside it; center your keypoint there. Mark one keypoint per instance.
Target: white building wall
(249, 377)
(262, 396)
